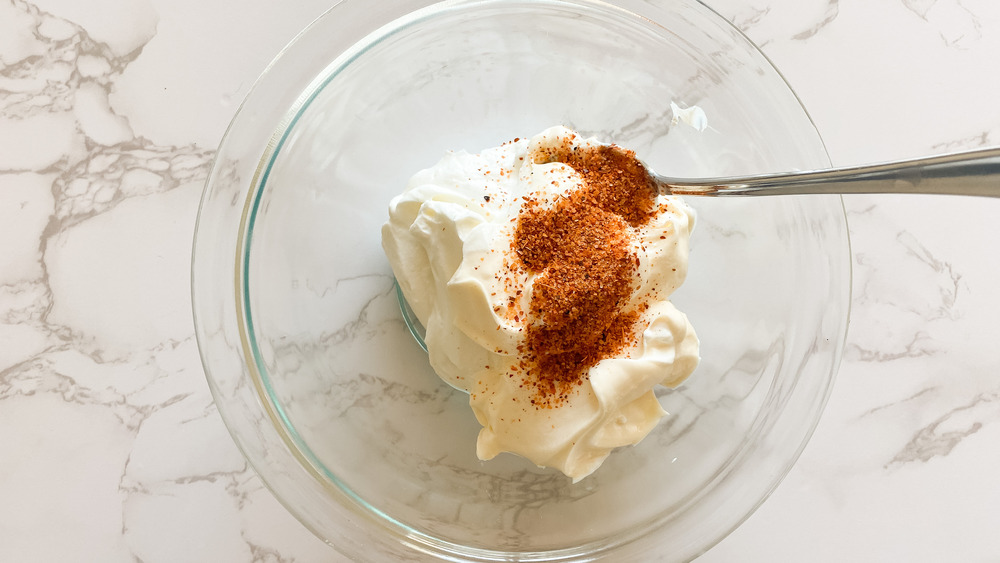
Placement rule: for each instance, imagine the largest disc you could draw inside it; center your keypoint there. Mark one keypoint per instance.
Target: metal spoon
(975, 172)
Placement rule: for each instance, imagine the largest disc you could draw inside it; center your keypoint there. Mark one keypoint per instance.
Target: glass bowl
(315, 372)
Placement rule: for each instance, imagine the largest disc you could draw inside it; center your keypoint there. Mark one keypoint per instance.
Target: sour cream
(449, 240)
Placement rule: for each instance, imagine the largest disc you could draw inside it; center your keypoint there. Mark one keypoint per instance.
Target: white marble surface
(111, 449)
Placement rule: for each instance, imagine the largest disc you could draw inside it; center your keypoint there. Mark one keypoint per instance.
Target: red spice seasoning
(581, 251)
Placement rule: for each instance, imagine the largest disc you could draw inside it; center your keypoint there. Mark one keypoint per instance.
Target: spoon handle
(975, 172)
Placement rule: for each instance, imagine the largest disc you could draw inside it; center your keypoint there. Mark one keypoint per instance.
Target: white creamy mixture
(449, 241)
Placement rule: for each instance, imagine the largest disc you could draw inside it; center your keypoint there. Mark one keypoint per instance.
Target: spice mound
(542, 270)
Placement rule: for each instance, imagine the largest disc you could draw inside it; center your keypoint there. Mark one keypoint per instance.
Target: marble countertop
(111, 448)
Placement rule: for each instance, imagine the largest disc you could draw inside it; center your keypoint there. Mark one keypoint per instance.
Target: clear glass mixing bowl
(315, 372)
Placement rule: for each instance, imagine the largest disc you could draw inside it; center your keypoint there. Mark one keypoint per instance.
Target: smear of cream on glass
(692, 116)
